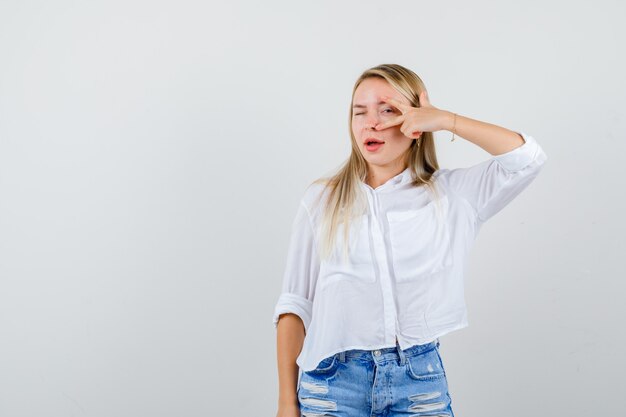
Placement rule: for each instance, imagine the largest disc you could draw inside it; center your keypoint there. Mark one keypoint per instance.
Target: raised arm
(427, 118)
(494, 139)
(516, 158)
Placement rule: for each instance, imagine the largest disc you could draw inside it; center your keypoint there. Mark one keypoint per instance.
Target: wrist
(448, 121)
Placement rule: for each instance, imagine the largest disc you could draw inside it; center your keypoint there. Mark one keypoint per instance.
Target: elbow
(294, 304)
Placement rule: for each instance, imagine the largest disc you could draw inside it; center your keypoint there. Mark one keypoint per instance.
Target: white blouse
(404, 278)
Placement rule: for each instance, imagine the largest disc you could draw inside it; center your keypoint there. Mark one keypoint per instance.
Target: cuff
(520, 157)
(293, 303)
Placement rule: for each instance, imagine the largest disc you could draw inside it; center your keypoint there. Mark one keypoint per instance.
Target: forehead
(371, 89)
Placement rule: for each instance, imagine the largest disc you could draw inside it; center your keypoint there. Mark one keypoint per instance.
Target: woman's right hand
(291, 410)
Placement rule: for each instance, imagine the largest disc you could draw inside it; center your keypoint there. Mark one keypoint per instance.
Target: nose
(371, 122)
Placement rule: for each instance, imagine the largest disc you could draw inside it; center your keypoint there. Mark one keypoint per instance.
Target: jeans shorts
(384, 382)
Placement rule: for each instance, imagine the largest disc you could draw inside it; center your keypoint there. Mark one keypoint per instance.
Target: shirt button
(377, 352)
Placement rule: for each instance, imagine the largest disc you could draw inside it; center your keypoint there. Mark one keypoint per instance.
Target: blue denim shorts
(384, 382)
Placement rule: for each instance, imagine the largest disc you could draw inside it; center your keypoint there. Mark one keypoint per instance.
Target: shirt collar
(395, 181)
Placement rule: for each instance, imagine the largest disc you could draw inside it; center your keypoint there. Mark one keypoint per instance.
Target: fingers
(393, 122)
(396, 103)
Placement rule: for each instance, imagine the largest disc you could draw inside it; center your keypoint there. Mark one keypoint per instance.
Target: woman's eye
(385, 110)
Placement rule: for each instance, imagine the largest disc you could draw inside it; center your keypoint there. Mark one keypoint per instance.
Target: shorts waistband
(388, 353)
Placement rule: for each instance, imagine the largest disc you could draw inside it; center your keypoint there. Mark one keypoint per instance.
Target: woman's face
(367, 111)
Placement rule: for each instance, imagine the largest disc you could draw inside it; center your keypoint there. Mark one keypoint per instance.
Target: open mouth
(372, 144)
(372, 141)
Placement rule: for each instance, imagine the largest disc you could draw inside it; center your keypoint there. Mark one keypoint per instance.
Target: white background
(152, 157)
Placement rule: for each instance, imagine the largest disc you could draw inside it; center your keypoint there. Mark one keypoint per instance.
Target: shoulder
(315, 195)
(441, 172)
(441, 176)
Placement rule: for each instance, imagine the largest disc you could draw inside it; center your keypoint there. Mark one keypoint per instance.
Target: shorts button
(377, 352)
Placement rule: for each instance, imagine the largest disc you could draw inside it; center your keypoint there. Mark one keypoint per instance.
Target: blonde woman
(374, 271)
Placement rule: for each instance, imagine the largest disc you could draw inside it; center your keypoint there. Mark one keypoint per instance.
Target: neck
(378, 175)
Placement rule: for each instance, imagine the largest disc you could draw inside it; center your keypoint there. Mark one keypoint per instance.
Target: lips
(372, 141)
(373, 144)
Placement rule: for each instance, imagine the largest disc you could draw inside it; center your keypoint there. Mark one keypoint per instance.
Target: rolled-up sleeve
(490, 185)
(301, 270)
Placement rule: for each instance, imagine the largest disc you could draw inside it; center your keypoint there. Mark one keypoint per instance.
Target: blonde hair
(346, 199)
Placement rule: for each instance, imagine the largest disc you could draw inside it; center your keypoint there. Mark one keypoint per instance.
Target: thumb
(424, 100)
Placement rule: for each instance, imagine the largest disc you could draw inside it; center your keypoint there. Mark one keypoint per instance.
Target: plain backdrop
(153, 154)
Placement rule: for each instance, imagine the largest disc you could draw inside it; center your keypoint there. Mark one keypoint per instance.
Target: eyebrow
(363, 106)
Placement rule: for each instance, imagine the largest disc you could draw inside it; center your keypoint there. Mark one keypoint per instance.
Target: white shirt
(404, 278)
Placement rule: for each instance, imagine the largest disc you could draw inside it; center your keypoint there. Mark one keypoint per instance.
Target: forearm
(289, 340)
(492, 138)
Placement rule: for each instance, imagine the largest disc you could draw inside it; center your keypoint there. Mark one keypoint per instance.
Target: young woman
(374, 271)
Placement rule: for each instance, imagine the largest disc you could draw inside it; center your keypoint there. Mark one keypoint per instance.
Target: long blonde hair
(345, 198)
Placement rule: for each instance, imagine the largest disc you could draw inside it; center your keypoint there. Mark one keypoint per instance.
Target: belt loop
(342, 356)
(400, 353)
(437, 342)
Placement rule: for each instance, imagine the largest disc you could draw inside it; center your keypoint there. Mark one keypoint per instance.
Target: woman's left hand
(415, 120)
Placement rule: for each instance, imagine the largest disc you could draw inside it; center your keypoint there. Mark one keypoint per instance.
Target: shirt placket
(380, 252)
